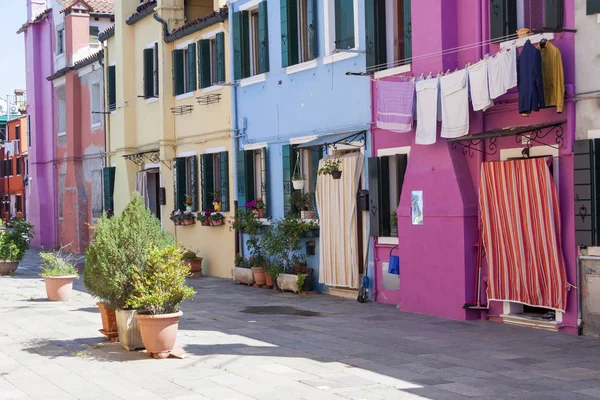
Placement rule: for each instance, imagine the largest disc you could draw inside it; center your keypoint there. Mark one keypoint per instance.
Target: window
(108, 180)
(112, 88)
(593, 7)
(506, 16)
(253, 177)
(3, 133)
(19, 166)
(28, 131)
(8, 167)
(386, 178)
(61, 192)
(186, 181)
(6, 203)
(299, 163)
(95, 105)
(62, 116)
(215, 180)
(151, 71)
(60, 42)
(18, 132)
(97, 193)
(298, 37)
(184, 70)
(19, 204)
(211, 60)
(94, 32)
(344, 24)
(251, 42)
(388, 33)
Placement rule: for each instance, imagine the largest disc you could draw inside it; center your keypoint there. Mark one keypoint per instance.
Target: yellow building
(169, 130)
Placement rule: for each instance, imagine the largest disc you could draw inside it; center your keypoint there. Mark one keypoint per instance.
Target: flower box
(185, 222)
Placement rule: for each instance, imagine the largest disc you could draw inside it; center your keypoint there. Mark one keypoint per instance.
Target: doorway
(148, 186)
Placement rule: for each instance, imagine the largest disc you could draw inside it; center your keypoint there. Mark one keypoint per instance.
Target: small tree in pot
(158, 290)
(305, 203)
(58, 272)
(191, 259)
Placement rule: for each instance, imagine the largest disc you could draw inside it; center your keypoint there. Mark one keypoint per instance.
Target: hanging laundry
(395, 98)
(510, 67)
(553, 76)
(455, 104)
(496, 72)
(531, 85)
(478, 85)
(428, 110)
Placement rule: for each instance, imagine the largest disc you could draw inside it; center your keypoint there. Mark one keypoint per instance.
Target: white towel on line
(478, 84)
(428, 110)
(510, 67)
(455, 104)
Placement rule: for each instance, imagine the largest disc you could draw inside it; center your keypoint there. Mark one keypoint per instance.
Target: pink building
(439, 252)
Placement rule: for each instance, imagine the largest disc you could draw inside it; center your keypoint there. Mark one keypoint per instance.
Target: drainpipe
(579, 300)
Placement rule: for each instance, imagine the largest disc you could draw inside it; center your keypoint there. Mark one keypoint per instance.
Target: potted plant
(189, 202)
(273, 272)
(257, 206)
(191, 259)
(311, 229)
(216, 219)
(331, 167)
(59, 273)
(241, 271)
(257, 265)
(394, 224)
(158, 289)
(118, 245)
(181, 217)
(305, 203)
(204, 217)
(216, 200)
(298, 182)
(14, 242)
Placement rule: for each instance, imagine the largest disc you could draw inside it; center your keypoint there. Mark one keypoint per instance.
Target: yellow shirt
(553, 76)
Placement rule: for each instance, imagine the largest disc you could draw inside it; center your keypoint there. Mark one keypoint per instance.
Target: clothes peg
(543, 43)
(447, 72)
(429, 76)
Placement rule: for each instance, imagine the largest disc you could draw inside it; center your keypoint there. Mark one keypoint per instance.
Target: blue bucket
(394, 264)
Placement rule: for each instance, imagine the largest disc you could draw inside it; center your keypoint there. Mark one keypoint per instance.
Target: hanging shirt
(395, 98)
(553, 77)
(510, 67)
(531, 85)
(455, 104)
(496, 81)
(478, 86)
(427, 110)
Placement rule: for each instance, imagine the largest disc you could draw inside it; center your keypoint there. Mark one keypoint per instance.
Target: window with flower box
(253, 177)
(215, 181)
(185, 173)
(299, 163)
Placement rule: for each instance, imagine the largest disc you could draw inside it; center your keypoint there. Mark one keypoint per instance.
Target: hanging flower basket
(180, 217)
(217, 221)
(185, 222)
(298, 184)
(336, 174)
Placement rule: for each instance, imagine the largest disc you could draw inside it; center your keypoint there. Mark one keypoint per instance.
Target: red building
(13, 169)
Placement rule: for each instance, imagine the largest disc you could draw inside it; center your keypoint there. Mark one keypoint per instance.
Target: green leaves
(56, 264)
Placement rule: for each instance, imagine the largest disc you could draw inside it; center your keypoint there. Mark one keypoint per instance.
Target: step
(529, 322)
(346, 293)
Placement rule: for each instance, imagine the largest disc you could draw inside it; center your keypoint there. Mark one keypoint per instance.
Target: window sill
(521, 41)
(113, 112)
(393, 71)
(387, 240)
(301, 67)
(339, 56)
(152, 100)
(184, 96)
(253, 80)
(264, 221)
(61, 134)
(96, 125)
(212, 88)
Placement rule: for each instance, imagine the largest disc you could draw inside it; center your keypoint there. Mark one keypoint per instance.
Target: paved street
(246, 343)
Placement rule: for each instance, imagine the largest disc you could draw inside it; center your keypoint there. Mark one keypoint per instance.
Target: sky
(13, 14)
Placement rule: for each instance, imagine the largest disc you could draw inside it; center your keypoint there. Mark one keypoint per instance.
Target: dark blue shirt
(530, 82)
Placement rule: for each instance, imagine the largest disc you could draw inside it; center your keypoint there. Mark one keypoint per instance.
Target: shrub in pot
(257, 265)
(241, 271)
(119, 244)
(191, 259)
(305, 202)
(14, 242)
(158, 290)
(59, 273)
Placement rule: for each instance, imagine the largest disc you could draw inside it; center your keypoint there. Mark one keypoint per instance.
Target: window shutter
(220, 43)
(224, 169)
(289, 32)
(238, 55)
(191, 64)
(245, 37)
(384, 196)
(112, 88)
(207, 181)
(288, 154)
(593, 7)
(148, 73)
(179, 183)
(586, 219)
(264, 191)
(344, 24)
(401, 164)
(407, 29)
(374, 197)
(245, 177)
(155, 72)
(204, 63)
(109, 188)
(312, 29)
(263, 37)
(375, 28)
(316, 156)
(194, 183)
(503, 19)
(554, 14)
(178, 82)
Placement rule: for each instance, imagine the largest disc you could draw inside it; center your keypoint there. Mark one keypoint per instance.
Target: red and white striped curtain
(521, 233)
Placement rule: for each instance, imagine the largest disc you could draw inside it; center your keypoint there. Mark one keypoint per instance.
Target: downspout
(104, 114)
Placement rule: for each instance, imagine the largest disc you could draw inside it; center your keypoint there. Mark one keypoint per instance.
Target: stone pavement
(247, 343)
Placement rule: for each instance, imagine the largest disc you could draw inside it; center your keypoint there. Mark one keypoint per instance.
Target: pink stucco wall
(437, 259)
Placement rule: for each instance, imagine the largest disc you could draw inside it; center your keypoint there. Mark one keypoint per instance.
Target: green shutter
(375, 33)
(593, 7)
(289, 32)
(224, 169)
(207, 181)
(245, 38)
(204, 63)
(112, 88)
(238, 55)
(503, 19)
(148, 73)
(245, 177)
(263, 38)
(374, 197)
(109, 188)
(407, 30)
(220, 50)
(312, 29)
(288, 154)
(344, 24)
(179, 183)
(194, 183)
(265, 183)
(384, 196)
(554, 14)
(316, 156)
(178, 70)
(191, 64)
(155, 72)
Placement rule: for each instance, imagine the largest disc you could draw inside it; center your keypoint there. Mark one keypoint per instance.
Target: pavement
(249, 343)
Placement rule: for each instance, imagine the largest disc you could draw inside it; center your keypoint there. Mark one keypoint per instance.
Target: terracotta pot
(205, 222)
(159, 333)
(8, 267)
(307, 214)
(260, 212)
(259, 275)
(59, 288)
(217, 222)
(336, 174)
(129, 330)
(109, 322)
(269, 280)
(195, 266)
(243, 275)
(188, 221)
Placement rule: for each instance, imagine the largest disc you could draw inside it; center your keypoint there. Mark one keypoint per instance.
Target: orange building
(13, 168)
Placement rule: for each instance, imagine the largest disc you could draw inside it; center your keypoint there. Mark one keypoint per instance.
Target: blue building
(294, 97)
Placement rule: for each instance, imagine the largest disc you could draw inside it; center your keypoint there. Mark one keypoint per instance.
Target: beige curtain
(338, 242)
(141, 186)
